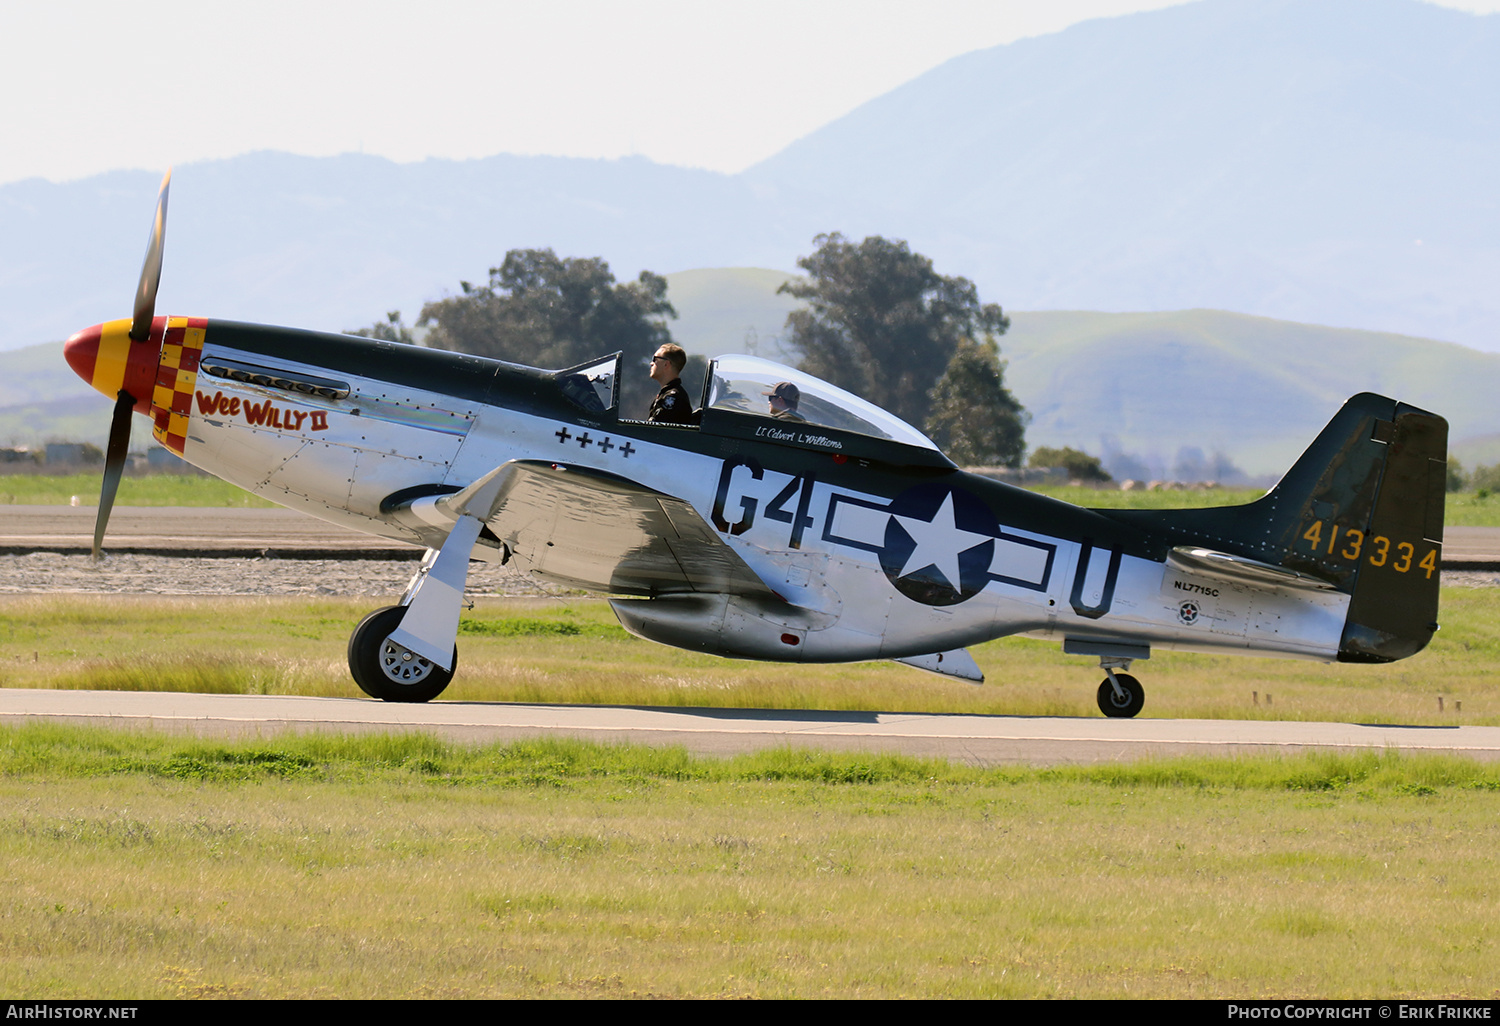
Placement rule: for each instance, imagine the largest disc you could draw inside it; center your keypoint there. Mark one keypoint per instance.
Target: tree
(1079, 465)
(881, 322)
(974, 417)
(1485, 479)
(1458, 480)
(391, 330)
(545, 311)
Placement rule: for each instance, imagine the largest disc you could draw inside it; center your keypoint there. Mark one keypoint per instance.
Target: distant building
(18, 454)
(158, 458)
(70, 454)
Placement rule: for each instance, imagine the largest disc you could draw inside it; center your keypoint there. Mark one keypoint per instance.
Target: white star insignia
(939, 543)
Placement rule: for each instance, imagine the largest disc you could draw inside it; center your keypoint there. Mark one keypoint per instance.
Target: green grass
(1461, 509)
(572, 651)
(154, 866)
(1113, 498)
(1468, 509)
(60, 751)
(147, 490)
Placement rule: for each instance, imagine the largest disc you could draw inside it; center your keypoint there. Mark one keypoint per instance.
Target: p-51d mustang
(845, 536)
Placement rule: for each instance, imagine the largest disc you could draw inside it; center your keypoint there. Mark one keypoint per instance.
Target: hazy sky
(720, 84)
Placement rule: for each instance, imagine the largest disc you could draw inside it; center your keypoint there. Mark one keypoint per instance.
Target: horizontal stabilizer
(954, 663)
(1241, 569)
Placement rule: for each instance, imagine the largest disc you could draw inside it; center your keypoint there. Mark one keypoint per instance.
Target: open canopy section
(594, 386)
(746, 384)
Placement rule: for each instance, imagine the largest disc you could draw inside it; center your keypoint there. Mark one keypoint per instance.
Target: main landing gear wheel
(388, 671)
(1112, 703)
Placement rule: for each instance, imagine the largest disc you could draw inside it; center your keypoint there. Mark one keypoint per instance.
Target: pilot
(671, 405)
(784, 397)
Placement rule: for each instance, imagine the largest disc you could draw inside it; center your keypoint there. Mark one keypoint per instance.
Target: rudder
(1394, 609)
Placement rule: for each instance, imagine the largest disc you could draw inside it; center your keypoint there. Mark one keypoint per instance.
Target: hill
(730, 310)
(1159, 394)
(1152, 387)
(1149, 391)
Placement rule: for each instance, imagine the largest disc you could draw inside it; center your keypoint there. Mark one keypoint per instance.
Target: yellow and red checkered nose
(107, 359)
(160, 372)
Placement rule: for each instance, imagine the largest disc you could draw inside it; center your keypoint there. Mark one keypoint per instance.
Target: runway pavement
(190, 531)
(974, 740)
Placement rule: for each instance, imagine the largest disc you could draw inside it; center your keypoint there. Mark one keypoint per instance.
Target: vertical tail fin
(1362, 509)
(1393, 612)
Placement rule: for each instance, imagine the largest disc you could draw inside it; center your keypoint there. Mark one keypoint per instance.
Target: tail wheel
(1122, 705)
(391, 672)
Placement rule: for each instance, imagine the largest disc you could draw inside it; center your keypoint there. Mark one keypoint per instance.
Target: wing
(589, 529)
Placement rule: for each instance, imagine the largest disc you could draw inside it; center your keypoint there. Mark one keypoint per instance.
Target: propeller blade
(114, 464)
(145, 293)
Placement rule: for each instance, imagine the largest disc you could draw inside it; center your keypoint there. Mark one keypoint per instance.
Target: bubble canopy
(740, 384)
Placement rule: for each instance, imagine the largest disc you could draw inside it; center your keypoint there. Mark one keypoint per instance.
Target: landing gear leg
(406, 653)
(1120, 695)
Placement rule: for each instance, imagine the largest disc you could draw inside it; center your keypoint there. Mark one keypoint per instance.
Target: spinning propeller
(125, 363)
(145, 292)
